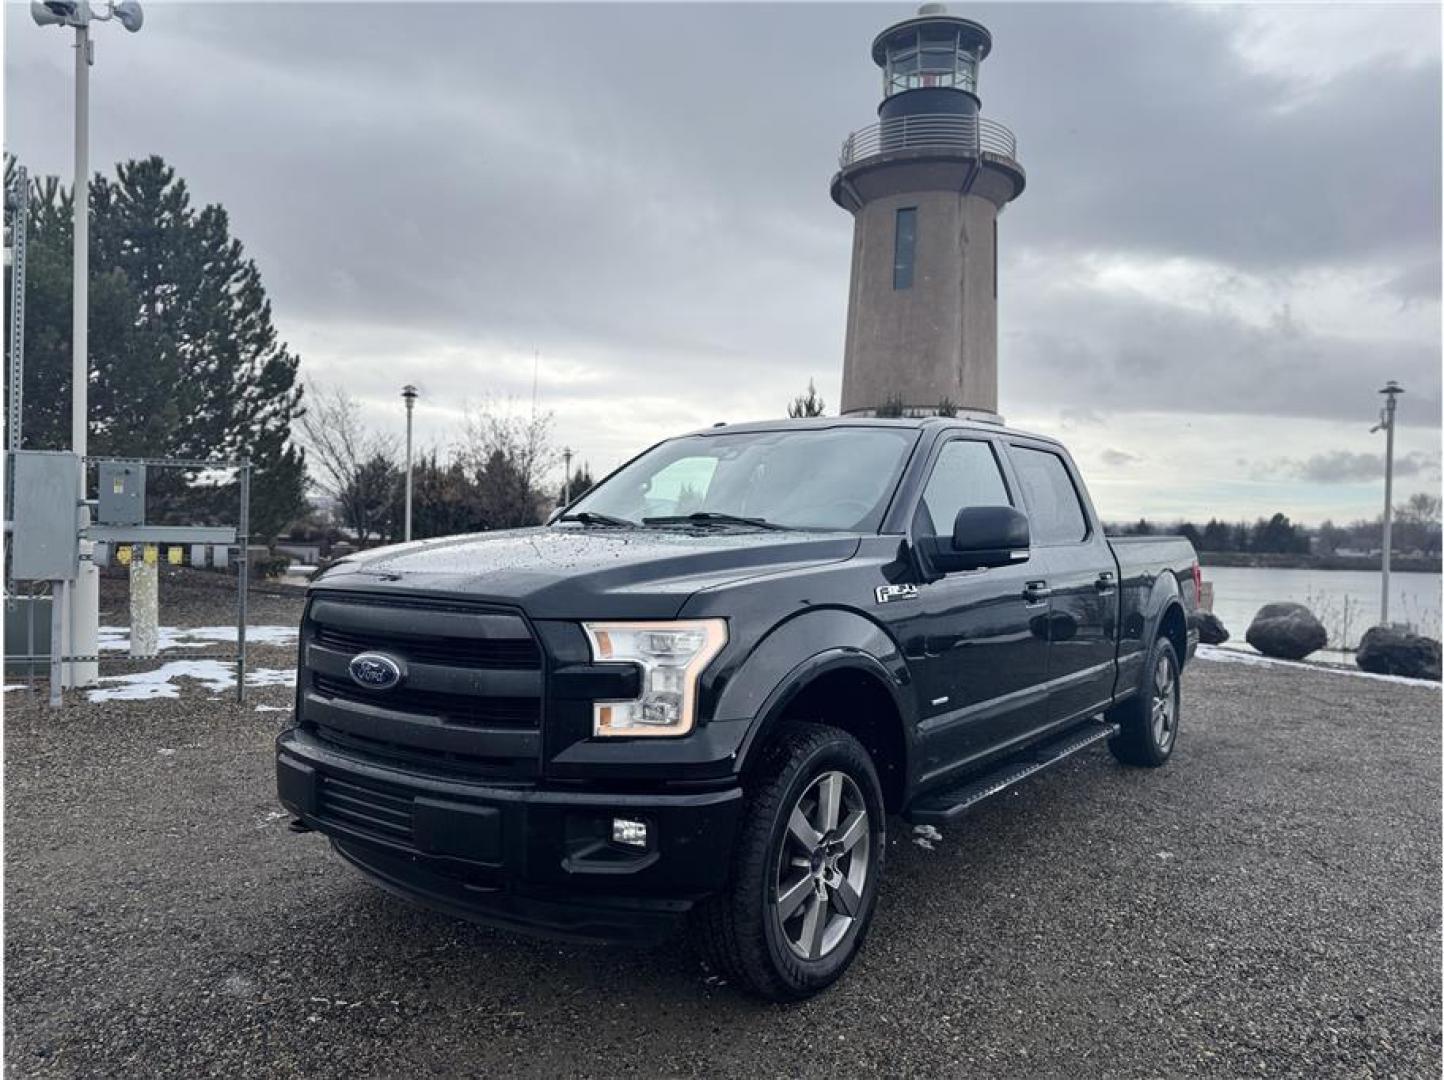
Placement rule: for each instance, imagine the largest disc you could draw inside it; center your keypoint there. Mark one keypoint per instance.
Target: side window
(1055, 513)
(966, 474)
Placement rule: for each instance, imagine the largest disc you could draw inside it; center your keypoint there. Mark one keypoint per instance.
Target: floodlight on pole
(83, 598)
(567, 480)
(1386, 423)
(408, 392)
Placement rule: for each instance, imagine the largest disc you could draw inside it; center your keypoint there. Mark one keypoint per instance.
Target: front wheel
(1148, 721)
(808, 860)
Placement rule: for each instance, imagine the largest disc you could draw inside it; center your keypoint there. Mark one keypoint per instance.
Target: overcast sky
(1229, 239)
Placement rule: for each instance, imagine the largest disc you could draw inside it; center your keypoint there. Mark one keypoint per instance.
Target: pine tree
(582, 483)
(810, 405)
(184, 358)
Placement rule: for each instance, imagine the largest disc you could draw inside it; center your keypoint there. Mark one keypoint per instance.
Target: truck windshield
(835, 478)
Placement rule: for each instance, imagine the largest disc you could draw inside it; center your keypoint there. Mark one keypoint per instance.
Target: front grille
(464, 709)
(376, 810)
(470, 701)
(449, 652)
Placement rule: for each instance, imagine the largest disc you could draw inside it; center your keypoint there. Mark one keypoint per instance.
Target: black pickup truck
(697, 694)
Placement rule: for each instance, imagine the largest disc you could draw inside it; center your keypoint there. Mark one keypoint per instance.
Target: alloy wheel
(1165, 703)
(822, 866)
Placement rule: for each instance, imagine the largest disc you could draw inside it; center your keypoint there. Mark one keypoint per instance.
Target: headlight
(671, 655)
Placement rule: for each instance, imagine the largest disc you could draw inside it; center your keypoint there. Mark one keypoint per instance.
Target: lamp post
(567, 479)
(1386, 421)
(409, 393)
(84, 597)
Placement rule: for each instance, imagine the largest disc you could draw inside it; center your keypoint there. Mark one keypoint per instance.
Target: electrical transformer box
(122, 494)
(45, 545)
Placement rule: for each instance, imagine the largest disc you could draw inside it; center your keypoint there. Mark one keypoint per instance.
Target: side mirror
(983, 536)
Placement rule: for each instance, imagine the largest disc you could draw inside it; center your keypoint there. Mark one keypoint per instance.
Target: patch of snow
(165, 751)
(927, 832)
(1219, 655)
(17, 686)
(272, 708)
(117, 638)
(271, 677)
(213, 675)
(923, 842)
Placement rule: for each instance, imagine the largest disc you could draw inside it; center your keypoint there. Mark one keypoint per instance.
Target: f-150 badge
(886, 594)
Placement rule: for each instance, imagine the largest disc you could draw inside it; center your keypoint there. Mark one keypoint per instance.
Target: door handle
(1104, 582)
(1036, 591)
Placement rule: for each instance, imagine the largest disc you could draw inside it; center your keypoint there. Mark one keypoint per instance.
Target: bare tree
(348, 461)
(510, 454)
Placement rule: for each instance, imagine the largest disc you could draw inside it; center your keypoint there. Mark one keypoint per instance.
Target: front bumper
(518, 856)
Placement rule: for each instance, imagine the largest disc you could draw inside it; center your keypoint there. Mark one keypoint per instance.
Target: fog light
(631, 833)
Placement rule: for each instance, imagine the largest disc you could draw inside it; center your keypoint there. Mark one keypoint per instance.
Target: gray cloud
(1349, 467)
(1117, 458)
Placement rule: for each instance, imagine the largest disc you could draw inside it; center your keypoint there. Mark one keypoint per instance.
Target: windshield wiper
(587, 517)
(711, 517)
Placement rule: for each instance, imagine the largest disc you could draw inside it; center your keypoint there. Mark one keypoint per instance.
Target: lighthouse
(925, 185)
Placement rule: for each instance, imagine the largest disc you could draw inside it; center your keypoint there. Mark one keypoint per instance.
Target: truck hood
(563, 572)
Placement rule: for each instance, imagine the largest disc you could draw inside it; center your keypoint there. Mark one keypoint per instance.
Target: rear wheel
(808, 860)
(1148, 721)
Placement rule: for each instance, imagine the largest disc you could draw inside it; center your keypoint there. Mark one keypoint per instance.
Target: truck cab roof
(919, 423)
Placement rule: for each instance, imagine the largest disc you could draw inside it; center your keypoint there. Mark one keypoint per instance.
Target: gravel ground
(1266, 905)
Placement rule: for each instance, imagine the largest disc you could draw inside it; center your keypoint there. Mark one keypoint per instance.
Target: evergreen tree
(184, 358)
(809, 405)
(1216, 536)
(444, 500)
(582, 483)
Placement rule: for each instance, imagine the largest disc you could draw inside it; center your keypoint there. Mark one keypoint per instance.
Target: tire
(800, 898)
(1148, 721)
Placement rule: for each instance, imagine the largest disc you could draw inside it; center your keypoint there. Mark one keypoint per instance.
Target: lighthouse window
(939, 51)
(936, 57)
(905, 241)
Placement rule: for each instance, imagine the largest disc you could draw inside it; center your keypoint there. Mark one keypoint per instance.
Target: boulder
(1211, 630)
(1287, 631)
(1390, 650)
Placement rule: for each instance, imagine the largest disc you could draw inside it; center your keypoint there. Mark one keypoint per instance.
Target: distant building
(925, 185)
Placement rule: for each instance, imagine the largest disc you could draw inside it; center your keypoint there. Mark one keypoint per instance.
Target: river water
(1346, 601)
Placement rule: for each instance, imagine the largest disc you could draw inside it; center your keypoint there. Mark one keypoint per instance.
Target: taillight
(1197, 584)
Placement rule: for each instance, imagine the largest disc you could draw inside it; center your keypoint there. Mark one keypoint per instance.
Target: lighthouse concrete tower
(925, 185)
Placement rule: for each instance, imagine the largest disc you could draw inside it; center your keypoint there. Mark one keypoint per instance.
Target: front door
(976, 640)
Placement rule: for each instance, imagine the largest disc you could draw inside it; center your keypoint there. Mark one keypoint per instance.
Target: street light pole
(567, 480)
(1386, 421)
(82, 599)
(409, 393)
(85, 598)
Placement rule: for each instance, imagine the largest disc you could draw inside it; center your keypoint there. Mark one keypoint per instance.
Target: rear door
(975, 640)
(1082, 579)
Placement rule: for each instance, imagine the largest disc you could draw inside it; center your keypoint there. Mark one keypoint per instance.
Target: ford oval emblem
(374, 671)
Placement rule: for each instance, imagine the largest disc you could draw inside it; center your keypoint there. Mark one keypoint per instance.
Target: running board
(941, 807)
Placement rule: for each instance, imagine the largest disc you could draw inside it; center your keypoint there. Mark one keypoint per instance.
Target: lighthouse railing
(969, 135)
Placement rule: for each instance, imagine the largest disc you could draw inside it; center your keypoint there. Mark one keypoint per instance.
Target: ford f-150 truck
(698, 693)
